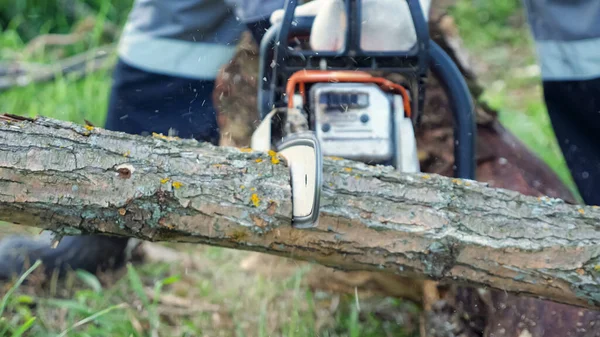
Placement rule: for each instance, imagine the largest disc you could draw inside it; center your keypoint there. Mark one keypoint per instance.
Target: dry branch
(76, 180)
(20, 74)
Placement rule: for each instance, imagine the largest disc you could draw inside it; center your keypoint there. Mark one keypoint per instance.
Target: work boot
(89, 252)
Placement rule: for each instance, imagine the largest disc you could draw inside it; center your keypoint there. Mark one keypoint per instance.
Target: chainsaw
(318, 96)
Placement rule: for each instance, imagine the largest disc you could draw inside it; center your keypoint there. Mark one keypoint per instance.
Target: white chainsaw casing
(406, 158)
(388, 137)
(261, 137)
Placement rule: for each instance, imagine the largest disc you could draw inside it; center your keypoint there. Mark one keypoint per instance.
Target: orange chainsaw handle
(311, 76)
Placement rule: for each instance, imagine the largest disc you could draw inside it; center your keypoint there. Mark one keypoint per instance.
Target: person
(170, 53)
(567, 40)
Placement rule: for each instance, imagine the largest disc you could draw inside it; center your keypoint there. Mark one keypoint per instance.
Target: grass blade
(17, 285)
(24, 327)
(137, 285)
(92, 317)
(70, 305)
(90, 279)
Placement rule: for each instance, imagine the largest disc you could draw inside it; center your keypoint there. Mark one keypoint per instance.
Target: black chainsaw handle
(463, 110)
(266, 86)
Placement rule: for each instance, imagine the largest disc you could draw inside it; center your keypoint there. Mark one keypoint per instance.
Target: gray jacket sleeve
(190, 38)
(254, 10)
(567, 37)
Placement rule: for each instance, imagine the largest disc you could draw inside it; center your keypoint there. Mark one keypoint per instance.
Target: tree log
(78, 180)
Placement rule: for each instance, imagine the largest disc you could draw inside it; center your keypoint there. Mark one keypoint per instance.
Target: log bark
(77, 180)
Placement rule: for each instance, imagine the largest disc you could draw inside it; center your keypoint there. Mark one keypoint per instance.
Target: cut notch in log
(78, 179)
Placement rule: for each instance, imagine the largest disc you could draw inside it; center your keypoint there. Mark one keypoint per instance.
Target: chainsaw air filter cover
(354, 121)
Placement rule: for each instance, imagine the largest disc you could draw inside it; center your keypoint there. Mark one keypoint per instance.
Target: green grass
(488, 23)
(527, 118)
(250, 304)
(64, 99)
(246, 304)
(30, 18)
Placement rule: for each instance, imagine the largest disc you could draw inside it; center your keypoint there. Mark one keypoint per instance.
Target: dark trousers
(143, 102)
(574, 110)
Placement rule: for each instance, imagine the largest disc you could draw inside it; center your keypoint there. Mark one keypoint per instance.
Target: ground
(212, 291)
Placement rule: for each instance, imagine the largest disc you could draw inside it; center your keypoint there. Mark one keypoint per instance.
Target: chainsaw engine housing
(354, 121)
